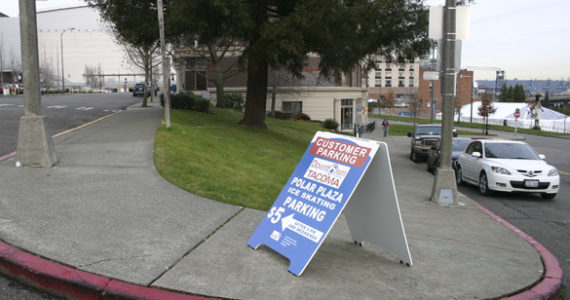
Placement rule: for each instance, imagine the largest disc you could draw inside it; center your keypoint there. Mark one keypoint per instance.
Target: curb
(72, 283)
(550, 285)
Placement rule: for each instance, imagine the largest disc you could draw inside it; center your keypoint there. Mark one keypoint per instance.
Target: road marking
(57, 106)
(84, 108)
(7, 104)
(81, 126)
(564, 173)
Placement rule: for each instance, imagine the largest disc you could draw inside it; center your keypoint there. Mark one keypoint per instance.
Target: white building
(86, 41)
(402, 80)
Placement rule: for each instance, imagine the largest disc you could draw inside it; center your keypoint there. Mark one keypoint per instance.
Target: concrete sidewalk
(105, 210)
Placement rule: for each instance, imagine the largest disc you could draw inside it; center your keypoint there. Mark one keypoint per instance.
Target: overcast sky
(528, 39)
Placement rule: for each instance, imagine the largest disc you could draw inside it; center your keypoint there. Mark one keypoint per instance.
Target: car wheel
(459, 176)
(548, 196)
(484, 184)
(414, 156)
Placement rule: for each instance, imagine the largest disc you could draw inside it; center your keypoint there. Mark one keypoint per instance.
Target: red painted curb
(550, 285)
(7, 156)
(68, 282)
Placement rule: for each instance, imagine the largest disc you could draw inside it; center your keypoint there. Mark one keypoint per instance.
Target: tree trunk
(255, 102)
(219, 83)
(220, 100)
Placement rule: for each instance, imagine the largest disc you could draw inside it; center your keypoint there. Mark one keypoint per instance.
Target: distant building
(90, 43)
(344, 100)
(400, 81)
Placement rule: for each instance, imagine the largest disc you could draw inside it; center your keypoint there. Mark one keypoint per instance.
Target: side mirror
(409, 134)
(476, 154)
(542, 156)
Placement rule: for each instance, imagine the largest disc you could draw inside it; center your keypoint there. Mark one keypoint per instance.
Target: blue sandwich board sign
(318, 191)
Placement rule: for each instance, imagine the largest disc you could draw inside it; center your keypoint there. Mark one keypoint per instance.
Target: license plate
(531, 183)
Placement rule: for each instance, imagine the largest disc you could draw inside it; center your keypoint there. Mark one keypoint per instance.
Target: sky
(528, 39)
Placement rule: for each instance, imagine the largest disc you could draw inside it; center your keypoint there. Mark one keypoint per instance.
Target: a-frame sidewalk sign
(335, 169)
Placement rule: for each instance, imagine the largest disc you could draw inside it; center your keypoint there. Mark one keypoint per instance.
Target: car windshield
(510, 151)
(429, 130)
(460, 145)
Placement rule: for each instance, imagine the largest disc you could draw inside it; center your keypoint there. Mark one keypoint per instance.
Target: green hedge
(187, 101)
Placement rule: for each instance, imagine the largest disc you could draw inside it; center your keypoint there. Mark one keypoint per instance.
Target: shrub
(234, 100)
(187, 101)
(330, 124)
(281, 115)
(298, 116)
(202, 105)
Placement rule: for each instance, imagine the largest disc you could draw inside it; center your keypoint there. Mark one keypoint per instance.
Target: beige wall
(320, 103)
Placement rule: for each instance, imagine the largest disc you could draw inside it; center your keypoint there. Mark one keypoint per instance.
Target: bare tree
(486, 109)
(146, 59)
(222, 56)
(93, 77)
(415, 106)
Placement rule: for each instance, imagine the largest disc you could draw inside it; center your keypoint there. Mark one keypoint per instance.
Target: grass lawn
(212, 156)
(470, 125)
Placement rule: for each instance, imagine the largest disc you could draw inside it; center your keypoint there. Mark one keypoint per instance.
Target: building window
(195, 80)
(388, 69)
(378, 82)
(401, 75)
(378, 75)
(388, 83)
(402, 68)
(292, 106)
(411, 75)
(411, 82)
(388, 74)
(401, 83)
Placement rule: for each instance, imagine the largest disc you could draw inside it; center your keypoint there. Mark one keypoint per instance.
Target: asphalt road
(63, 112)
(12, 290)
(547, 221)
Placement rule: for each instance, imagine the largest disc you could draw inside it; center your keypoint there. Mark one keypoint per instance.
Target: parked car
(507, 166)
(424, 137)
(138, 90)
(458, 146)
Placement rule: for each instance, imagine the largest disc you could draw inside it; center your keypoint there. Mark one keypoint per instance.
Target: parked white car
(506, 166)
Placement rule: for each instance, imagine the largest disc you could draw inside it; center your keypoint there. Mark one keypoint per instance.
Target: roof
(506, 110)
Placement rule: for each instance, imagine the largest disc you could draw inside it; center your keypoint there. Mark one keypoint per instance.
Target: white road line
(56, 106)
(84, 108)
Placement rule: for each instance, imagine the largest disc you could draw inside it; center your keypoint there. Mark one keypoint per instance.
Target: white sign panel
(326, 178)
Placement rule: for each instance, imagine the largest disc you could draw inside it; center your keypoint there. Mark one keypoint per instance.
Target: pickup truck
(424, 137)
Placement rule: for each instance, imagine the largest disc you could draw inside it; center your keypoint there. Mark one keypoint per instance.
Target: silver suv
(424, 137)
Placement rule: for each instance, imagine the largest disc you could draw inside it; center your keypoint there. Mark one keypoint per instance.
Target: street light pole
(62, 72)
(35, 146)
(165, 77)
(444, 190)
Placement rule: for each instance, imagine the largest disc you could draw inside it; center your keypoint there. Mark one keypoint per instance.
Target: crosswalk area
(52, 107)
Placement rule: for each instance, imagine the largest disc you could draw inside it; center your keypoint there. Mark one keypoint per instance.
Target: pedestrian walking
(385, 125)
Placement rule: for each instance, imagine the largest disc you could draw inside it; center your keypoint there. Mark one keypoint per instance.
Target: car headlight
(500, 170)
(553, 172)
(418, 143)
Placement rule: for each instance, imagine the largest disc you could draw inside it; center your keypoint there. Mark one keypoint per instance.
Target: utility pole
(165, 76)
(35, 146)
(444, 189)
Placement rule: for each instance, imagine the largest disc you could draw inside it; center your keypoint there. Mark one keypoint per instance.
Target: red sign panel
(342, 152)
(517, 114)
